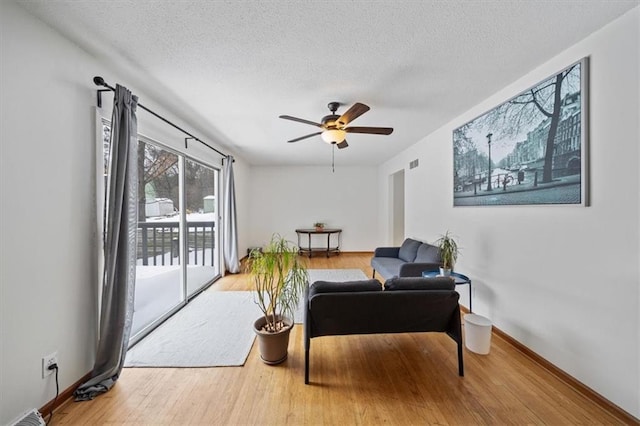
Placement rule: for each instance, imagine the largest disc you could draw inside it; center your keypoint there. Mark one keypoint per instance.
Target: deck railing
(158, 242)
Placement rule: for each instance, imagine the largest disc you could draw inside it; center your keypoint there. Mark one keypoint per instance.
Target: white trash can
(477, 333)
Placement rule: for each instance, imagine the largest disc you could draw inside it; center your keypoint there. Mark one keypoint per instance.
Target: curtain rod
(99, 81)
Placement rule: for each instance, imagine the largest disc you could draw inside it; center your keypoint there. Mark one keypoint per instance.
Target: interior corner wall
(562, 280)
(286, 198)
(397, 208)
(48, 285)
(242, 181)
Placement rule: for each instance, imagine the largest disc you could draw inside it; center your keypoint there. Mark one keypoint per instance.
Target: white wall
(563, 280)
(47, 181)
(286, 198)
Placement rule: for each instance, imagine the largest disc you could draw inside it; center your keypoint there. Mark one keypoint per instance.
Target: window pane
(200, 184)
(158, 270)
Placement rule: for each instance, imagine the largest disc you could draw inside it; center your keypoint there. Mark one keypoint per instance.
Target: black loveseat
(408, 260)
(406, 305)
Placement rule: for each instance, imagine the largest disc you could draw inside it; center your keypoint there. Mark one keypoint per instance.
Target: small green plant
(448, 250)
(279, 278)
(319, 225)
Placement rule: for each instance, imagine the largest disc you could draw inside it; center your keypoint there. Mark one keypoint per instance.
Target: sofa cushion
(409, 249)
(428, 253)
(344, 286)
(387, 267)
(419, 283)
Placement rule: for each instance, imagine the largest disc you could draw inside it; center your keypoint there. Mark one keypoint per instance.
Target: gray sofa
(406, 305)
(408, 260)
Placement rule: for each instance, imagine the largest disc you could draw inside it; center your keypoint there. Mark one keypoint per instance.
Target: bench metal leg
(306, 366)
(460, 362)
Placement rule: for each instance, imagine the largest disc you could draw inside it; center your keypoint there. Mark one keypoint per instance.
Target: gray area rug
(334, 275)
(214, 330)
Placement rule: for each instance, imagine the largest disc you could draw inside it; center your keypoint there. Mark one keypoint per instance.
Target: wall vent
(413, 164)
(30, 418)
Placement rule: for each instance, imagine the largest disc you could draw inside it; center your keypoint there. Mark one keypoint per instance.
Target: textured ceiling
(232, 67)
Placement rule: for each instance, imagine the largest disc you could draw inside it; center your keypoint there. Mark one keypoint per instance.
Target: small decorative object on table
(319, 226)
(448, 253)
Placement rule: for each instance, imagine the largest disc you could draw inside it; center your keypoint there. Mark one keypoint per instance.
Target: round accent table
(459, 279)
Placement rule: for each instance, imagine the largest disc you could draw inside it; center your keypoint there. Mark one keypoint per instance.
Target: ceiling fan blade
(352, 113)
(370, 130)
(300, 120)
(342, 144)
(304, 137)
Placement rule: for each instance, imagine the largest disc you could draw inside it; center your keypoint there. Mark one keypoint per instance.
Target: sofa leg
(306, 366)
(374, 274)
(460, 362)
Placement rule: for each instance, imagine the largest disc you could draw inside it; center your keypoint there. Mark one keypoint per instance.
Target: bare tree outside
(529, 150)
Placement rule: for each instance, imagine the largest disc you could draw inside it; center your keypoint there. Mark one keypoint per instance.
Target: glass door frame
(183, 240)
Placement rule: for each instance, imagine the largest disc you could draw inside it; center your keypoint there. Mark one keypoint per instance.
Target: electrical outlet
(47, 361)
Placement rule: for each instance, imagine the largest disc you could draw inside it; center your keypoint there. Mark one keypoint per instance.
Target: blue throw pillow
(428, 253)
(345, 286)
(419, 283)
(409, 249)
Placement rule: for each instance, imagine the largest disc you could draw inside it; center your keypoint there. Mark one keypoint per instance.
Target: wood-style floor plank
(391, 379)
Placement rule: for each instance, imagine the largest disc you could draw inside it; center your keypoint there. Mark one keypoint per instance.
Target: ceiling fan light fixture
(333, 135)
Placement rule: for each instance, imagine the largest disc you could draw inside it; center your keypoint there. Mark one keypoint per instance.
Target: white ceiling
(232, 67)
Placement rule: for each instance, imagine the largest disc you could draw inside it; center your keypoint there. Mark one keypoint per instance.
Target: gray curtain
(119, 248)
(230, 235)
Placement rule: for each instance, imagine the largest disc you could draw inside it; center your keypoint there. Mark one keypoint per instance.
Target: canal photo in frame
(532, 149)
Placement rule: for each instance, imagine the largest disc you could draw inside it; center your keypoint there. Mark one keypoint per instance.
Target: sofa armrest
(416, 269)
(386, 252)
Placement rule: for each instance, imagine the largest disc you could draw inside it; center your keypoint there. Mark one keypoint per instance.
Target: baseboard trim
(356, 252)
(340, 252)
(63, 396)
(580, 387)
(244, 259)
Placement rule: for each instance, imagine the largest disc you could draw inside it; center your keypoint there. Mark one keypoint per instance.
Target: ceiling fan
(334, 128)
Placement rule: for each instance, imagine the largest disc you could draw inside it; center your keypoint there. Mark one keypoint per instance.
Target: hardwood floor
(375, 379)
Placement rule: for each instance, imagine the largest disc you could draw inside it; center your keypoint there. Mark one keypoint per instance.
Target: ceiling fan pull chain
(333, 156)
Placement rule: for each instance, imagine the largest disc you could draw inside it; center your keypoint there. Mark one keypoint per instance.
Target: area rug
(334, 275)
(214, 330)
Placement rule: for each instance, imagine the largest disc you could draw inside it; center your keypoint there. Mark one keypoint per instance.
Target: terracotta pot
(273, 347)
(319, 228)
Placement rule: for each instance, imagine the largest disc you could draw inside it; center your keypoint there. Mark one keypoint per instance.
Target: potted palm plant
(279, 278)
(448, 253)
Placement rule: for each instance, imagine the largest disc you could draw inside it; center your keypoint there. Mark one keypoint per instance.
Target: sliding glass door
(159, 286)
(201, 183)
(177, 236)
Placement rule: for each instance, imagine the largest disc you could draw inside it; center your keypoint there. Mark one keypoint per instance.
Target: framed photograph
(532, 149)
